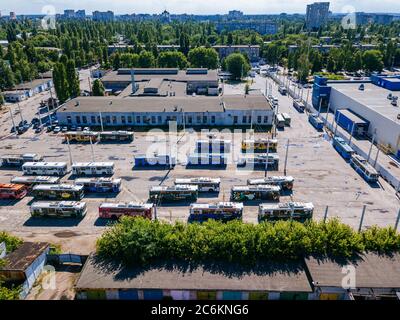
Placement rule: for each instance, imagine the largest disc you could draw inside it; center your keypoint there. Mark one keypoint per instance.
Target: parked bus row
(358, 163)
(198, 212)
(103, 136)
(17, 160)
(61, 168)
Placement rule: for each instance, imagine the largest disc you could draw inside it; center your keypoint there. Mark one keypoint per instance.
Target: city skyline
(196, 7)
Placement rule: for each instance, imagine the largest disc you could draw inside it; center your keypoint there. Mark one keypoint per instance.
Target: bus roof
(126, 205)
(93, 164)
(13, 186)
(58, 204)
(264, 187)
(58, 187)
(177, 187)
(287, 205)
(237, 205)
(102, 179)
(45, 164)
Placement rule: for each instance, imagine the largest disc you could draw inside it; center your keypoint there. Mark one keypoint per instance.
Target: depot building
(232, 110)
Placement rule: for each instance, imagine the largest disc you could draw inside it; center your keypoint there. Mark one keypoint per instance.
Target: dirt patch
(393, 164)
(66, 234)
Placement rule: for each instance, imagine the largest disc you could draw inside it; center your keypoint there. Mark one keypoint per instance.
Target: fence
(390, 178)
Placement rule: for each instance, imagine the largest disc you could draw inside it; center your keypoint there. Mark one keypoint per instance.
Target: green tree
(146, 59)
(172, 59)
(98, 88)
(72, 79)
(304, 67)
(116, 61)
(7, 79)
(373, 60)
(237, 65)
(184, 43)
(60, 82)
(203, 58)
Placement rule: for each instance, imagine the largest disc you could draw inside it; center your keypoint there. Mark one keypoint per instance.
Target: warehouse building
(283, 281)
(369, 277)
(158, 111)
(187, 82)
(366, 100)
(28, 89)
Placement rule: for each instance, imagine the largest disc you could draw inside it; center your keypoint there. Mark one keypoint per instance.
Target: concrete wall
(387, 130)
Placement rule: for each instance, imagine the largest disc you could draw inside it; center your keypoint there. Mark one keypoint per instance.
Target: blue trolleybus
(343, 147)
(364, 168)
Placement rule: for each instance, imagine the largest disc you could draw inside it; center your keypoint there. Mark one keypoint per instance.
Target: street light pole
(101, 121)
(286, 157)
(12, 119)
(266, 161)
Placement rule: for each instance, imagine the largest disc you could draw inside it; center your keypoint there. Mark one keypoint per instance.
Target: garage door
(96, 295)
(129, 294)
(258, 295)
(232, 295)
(206, 295)
(152, 294)
(293, 296)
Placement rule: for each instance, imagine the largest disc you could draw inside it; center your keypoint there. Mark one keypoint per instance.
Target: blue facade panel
(152, 294)
(391, 83)
(129, 294)
(321, 92)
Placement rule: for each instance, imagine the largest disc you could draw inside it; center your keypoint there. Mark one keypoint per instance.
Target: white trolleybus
(116, 136)
(59, 209)
(283, 211)
(223, 211)
(204, 184)
(367, 171)
(17, 160)
(260, 145)
(32, 181)
(93, 168)
(261, 160)
(285, 182)
(58, 192)
(173, 193)
(261, 192)
(101, 185)
(45, 168)
(133, 209)
(280, 121)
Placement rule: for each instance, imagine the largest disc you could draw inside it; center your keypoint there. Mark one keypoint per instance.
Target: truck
(316, 122)
(282, 90)
(299, 105)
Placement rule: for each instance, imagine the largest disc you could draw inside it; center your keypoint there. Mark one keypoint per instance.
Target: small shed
(24, 265)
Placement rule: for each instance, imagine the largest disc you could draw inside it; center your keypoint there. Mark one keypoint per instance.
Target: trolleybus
(342, 147)
(173, 193)
(261, 192)
(279, 121)
(17, 160)
(99, 184)
(284, 211)
(260, 145)
(213, 146)
(204, 184)
(93, 168)
(316, 122)
(141, 160)
(81, 136)
(285, 182)
(367, 171)
(58, 209)
(57, 192)
(299, 105)
(207, 159)
(260, 160)
(45, 168)
(114, 211)
(224, 211)
(287, 118)
(32, 181)
(12, 191)
(116, 136)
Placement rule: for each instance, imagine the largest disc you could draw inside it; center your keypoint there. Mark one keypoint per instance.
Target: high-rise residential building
(317, 15)
(80, 14)
(103, 16)
(235, 14)
(69, 14)
(13, 16)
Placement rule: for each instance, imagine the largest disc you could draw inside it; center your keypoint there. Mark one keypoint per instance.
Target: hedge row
(138, 241)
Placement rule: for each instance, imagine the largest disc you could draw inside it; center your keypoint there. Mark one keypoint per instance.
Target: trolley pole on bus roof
(101, 121)
(286, 157)
(13, 122)
(266, 161)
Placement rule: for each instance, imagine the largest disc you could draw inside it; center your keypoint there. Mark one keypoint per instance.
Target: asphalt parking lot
(321, 176)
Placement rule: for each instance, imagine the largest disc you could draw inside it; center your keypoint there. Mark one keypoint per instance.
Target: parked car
(57, 129)
(79, 129)
(38, 130)
(73, 128)
(49, 129)
(86, 129)
(64, 129)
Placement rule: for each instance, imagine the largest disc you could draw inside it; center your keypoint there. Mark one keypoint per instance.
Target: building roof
(163, 104)
(165, 74)
(372, 271)
(373, 97)
(21, 258)
(31, 85)
(266, 277)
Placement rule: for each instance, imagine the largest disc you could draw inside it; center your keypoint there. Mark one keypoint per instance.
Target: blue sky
(194, 6)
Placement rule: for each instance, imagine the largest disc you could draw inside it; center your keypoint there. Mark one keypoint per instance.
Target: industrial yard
(321, 176)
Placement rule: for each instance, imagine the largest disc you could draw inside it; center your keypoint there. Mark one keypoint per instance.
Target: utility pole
(351, 134)
(376, 158)
(308, 95)
(12, 119)
(91, 146)
(20, 112)
(266, 162)
(101, 121)
(286, 157)
(362, 218)
(320, 106)
(370, 148)
(69, 151)
(326, 213)
(397, 221)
